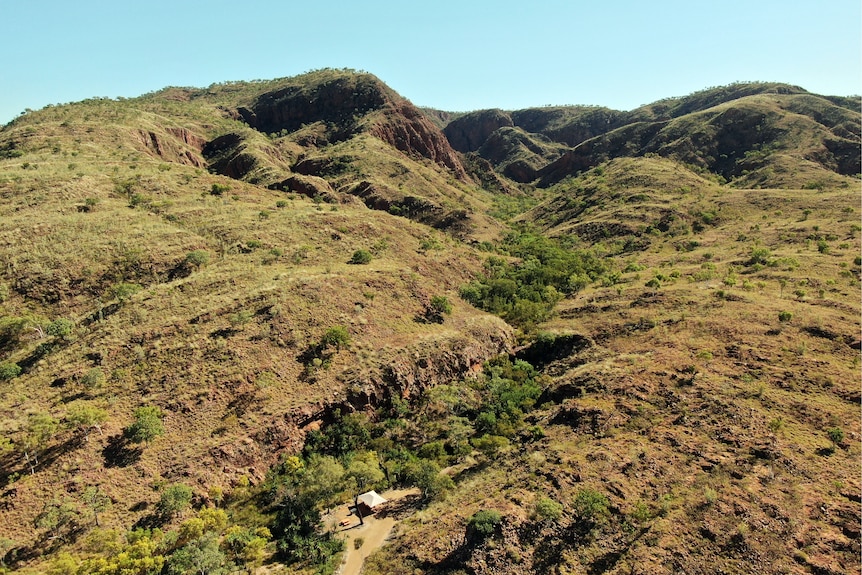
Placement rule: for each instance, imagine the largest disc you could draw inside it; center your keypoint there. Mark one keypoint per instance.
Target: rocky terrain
(630, 338)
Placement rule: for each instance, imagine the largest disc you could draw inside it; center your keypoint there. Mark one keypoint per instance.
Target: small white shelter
(368, 501)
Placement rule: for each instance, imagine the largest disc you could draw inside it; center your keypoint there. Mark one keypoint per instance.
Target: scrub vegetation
(593, 341)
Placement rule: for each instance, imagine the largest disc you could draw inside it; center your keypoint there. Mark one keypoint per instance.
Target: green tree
(590, 506)
(482, 525)
(219, 189)
(438, 306)
(426, 475)
(491, 446)
(363, 470)
(85, 417)
(547, 510)
(60, 327)
(41, 428)
(95, 501)
(123, 292)
(147, 425)
(94, 378)
(836, 436)
(337, 337)
(201, 556)
(197, 259)
(58, 517)
(174, 499)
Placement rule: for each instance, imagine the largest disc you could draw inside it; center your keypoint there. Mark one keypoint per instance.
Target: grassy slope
(707, 409)
(216, 347)
(693, 401)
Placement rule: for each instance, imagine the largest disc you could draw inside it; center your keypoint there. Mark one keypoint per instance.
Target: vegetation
(526, 292)
(679, 394)
(146, 426)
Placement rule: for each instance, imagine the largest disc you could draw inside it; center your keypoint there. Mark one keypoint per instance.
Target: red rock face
(406, 129)
(344, 104)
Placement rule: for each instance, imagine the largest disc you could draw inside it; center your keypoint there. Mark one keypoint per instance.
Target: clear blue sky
(453, 55)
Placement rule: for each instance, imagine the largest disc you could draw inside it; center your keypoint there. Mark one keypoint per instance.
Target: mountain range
(598, 341)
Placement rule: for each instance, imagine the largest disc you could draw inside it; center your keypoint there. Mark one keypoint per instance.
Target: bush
(836, 435)
(547, 509)
(360, 257)
(60, 327)
(197, 258)
(336, 336)
(123, 292)
(174, 499)
(590, 505)
(93, 379)
(483, 524)
(784, 316)
(219, 189)
(146, 426)
(9, 370)
(439, 306)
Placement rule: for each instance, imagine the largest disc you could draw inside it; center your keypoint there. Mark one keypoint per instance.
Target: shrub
(219, 189)
(197, 258)
(547, 509)
(336, 336)
(9, 370)
(590, 505)
(123, 292)
(483, 524)
(360, 257)
(784, 316)
(836, 435)
(60, 327)
(439, 305)
(174, 499)
(93, 379)
(146, 426)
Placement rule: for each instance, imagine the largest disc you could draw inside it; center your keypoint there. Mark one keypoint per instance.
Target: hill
(632, 335)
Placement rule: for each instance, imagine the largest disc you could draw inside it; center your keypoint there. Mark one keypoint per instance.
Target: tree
(41, 427)
(364, 470)
(547, 510)
(482, 525)
(438, 306)
(94, 378)
(590, 505)
(426, 475)
(84, 417)
(335, 337)
(201, 556)
(60, 327)
(197, 258)
(836, 436)
(174, 499)
(123, 292)
(96, 501)
(491, 446)
(146, 426)
(58, 517)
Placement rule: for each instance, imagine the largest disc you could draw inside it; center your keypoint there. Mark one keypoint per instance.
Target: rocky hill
(632, 336)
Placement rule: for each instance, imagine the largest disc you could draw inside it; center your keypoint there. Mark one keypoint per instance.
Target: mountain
(629, 339)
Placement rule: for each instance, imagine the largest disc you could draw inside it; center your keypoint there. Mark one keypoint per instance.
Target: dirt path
(375, 531)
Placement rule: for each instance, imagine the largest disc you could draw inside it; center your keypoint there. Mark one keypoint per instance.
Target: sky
(451, 55)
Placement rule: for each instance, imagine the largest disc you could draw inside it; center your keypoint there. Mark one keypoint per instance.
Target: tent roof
(371, 499)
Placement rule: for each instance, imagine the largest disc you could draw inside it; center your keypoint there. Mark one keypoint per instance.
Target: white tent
(370, 499)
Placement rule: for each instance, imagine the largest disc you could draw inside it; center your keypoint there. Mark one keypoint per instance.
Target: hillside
(276, 293)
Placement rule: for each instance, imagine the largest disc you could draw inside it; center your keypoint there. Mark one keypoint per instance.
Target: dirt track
(374, 532)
